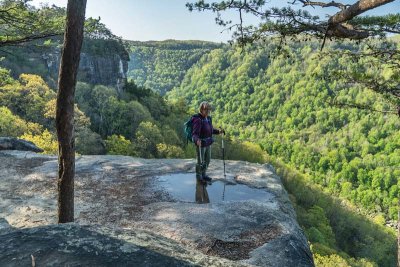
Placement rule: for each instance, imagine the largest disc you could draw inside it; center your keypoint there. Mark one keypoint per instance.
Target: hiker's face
(206, 112)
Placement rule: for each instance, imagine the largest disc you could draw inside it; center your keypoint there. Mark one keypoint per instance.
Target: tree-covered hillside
(284, 103)
(162, 65)
(131, 123)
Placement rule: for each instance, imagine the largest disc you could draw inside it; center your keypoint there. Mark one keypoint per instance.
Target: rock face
(124, 215)
(12, 143)
(102, 62)
(94, 69)
(109, 70)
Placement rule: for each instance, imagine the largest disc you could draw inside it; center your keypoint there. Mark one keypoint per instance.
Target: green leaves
(23, 23)
(162, 66)
(379, 24)
(119, 145)
(290, 106)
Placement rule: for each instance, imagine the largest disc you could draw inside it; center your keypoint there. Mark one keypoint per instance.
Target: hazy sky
(169, 19)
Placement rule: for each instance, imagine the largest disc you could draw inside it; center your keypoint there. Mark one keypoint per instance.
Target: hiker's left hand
(222, 131)
(198, 143)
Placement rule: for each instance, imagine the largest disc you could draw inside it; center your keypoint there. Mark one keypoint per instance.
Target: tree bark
(355, 10)
(338, 29)
(65, 108)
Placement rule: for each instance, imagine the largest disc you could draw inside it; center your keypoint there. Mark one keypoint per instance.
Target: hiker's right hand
(198, 143)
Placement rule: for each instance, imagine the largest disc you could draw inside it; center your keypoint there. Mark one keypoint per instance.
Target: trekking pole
(223, 153)
(201, 160)
(223, 159)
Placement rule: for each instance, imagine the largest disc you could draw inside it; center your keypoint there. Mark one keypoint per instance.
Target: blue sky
(145, 20)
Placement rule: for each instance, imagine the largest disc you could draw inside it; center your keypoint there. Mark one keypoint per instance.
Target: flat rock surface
(125, 216)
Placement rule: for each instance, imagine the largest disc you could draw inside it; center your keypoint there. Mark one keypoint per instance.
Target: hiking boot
(207, 178)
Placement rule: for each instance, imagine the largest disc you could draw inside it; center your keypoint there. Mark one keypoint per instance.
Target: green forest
(161, 66)
(284, 105)
(289, 107)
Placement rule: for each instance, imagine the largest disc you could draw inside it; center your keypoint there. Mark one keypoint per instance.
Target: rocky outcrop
(94, 69)
(12, 143)
(134, 219)
(106, 70)
(103, 62)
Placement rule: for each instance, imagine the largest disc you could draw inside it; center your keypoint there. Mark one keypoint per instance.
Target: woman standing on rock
(202, 137)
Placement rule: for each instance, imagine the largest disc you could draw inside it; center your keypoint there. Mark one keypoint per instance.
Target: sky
(145, 20)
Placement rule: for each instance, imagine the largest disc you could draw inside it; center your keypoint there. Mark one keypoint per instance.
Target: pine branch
(322, 4)
(363, 107)
(16, 41)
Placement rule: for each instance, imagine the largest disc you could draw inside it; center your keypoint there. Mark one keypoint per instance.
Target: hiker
(202, 138)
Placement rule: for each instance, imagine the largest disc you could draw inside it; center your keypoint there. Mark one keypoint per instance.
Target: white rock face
(117, 193)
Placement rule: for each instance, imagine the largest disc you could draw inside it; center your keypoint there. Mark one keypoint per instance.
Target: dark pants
(201, 167)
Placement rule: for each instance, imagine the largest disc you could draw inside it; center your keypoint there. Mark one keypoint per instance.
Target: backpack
(188, 128)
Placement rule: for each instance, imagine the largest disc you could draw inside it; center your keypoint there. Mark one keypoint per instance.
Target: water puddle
(184, 187)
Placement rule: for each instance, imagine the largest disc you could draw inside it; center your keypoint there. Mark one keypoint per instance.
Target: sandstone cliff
(94, 69)
(126, 214)
(102, 62)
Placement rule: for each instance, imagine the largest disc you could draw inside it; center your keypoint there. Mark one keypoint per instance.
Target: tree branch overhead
(288, 21)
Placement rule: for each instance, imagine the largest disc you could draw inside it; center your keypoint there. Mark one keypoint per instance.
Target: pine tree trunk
(65, 108)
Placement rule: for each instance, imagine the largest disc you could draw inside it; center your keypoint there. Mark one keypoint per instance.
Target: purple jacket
(203, 130)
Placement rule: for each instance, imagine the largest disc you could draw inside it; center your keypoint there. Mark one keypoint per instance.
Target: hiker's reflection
(201, 192)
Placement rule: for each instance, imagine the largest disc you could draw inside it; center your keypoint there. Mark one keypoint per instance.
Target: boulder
(12, 143)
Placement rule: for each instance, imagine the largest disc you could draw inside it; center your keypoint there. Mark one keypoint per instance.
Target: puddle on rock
(183, 187)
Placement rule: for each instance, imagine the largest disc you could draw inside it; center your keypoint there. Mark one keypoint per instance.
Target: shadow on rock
(74, 245)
